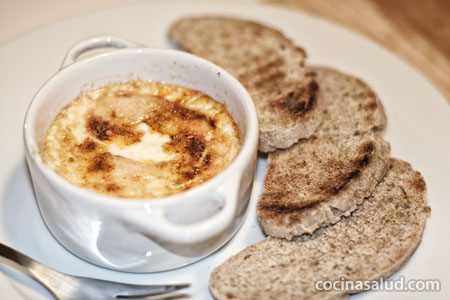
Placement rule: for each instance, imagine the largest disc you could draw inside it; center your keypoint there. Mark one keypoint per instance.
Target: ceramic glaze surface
(143, 235)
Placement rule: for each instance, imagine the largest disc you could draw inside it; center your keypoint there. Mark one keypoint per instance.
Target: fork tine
(140, 291)
(162, 297)
(172, 297)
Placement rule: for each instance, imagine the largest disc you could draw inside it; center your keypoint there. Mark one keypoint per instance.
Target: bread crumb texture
(316, 181)
(373, 242)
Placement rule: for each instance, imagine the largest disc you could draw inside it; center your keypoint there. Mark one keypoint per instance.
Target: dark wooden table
(417, 31)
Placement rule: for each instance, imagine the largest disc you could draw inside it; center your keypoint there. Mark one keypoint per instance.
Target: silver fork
(68, 287)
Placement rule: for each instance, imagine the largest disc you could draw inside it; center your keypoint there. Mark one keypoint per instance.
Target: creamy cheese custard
(141, 139)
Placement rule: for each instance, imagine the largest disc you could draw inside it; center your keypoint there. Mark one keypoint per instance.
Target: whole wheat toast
(269, 65)
(372, 243)
(317, 181)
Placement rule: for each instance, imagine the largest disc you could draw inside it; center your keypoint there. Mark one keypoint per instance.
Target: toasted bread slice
(349, 105)
(317, 181)
(372, 243)
(268, 64)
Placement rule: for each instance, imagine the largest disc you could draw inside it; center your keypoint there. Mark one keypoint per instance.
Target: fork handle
(26, 264)
(15, 257)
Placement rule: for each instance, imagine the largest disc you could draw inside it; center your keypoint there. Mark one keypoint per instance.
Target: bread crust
(372, 243)
(317, 181)
(268, 64)
(338, 192)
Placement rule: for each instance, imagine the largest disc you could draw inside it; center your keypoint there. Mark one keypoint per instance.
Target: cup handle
(95, 43)
(157, 224)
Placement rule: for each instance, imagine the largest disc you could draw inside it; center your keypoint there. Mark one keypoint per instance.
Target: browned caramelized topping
(167, 111)
(101, 129)
(193, 147)
(101, 163)
(186, 142)
(112, 187)
(88, 145)
(187, 128)
(106, 131)
(185, 113)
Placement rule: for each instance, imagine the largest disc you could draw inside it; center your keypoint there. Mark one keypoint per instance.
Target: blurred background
(417, 31)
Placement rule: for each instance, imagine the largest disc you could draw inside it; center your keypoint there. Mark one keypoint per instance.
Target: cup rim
(250, 142)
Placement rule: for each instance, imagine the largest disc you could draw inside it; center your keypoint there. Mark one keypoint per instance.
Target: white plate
(418, 129)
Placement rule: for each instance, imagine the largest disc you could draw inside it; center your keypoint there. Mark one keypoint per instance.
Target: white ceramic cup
(141, 235)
